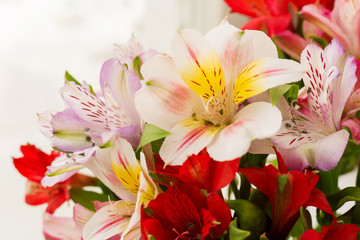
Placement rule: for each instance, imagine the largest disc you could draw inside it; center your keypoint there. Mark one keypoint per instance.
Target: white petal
(188, 137)
(237, 48)
(164, 99)
(257, 120)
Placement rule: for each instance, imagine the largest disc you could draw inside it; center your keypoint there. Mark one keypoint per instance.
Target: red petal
(34, 162)
(251, 8)
(319, 200)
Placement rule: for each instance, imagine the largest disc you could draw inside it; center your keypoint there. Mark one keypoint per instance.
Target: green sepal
(250, 217)
(235, 233)
(277, 92)
(85, 198)
(70, 78)
(152, 133)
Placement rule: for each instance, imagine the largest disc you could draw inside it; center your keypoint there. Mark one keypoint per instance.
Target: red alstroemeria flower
(201, 170)
(271, 16)
(334, 231)
(185, 212)
(287, 192)
(33, 166)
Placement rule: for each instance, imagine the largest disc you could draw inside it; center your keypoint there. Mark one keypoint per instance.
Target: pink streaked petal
(319, 16)
(56, 228)
(100, 165)
(354, 125)
(295, 133)
(355, 36)
(188, 137)
(125, 165)
(121, 84)
(129, 133)
(237, 48)
(353, 104)
(85, 104)
(108, 221)
(44, 123)
(256, 121)
(164, 99)
(263, 74)
(81, 215)
(198, 64)
(290, 43)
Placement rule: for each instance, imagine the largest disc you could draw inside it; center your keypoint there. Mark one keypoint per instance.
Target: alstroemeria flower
(287, 192)
(200, 170)
(343, 23)
(33, 166)
(129, 180)
(185, 212)
(197, 94)
(314, 136)
(334, 231)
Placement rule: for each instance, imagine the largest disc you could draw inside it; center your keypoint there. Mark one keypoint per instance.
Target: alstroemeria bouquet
(183, 145)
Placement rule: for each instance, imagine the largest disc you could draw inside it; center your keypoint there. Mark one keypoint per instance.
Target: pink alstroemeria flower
(119, 170)
(313, 137)
(342, 23)
(197, 94)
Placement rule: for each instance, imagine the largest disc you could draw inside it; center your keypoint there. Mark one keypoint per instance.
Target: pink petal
(55, 228)
(108, 221)
(354, 125)
(290, 43)
(81, 215)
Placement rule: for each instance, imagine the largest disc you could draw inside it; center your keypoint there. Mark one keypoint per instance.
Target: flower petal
(198, 64)
(64, 228)
(257, 120)
(237, 48)
(108, 221)
(164, 92)
(81, 215)
(290, 43)
(188, 137)
(265, 73)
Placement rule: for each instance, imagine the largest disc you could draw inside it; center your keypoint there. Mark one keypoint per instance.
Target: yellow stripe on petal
(199, 65)
(248, 82)
(125, 165)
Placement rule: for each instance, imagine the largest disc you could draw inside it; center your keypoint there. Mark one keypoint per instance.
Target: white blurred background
(39, 40)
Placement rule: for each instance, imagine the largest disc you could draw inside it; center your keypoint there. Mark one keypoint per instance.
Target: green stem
(328, 182)
(244, 187)
(234, 188)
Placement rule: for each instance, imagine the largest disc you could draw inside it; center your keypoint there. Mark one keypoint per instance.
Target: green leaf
(277, 92)
(152, 133)
(253, 160)
(297, 230)
(250, 217)
(321, 41)
(85, 198)
(71, 78)
(236, 233)
(306, 218)
(292, 93)
(347, 194)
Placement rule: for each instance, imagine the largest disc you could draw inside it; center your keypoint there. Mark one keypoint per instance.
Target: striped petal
(263, 74)
(237, 48)
(125, 164)
(164, 92)
(257, 120)
(100, 165)
(81, 215)
(60, 228)
(108, 221)
(189, 137)
(85, 104)
(199, 64)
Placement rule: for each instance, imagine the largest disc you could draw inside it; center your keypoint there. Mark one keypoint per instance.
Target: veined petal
(323, 154)
(199, 64)
(108, 221)
(121, 84)
(188, 137)
(265, 73)
(237, 48)
(101, 167)
(85, 104)
(44, 123)
(64, 228)
(257, 120)
(125, 164)
(164, 92)
(81, 215)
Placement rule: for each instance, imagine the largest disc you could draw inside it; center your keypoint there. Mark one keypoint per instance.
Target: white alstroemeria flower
(197, 95)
